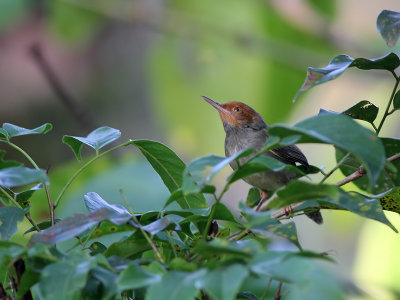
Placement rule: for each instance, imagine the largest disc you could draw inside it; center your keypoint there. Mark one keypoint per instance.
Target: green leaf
(222, 247)
(97, 139)
(253, 197)
(159, 225)
(223, 283)
(63, 280)
(93, 202)
(391, 200)
(108, 280)
(390, 176)
(388, 24)
(344, 133)
(9, 130)
(42, 225)
(326, 8)
(340, 63)
(170, 168)
(97, 248)
(7, 163)
(297, 191)
(9, 218)
(29, 278)
(19, 176)
(396, 101)
(130, 247)
(200, 171)
(175, 285)
(134, 277)
(76, 224)
(363, 110)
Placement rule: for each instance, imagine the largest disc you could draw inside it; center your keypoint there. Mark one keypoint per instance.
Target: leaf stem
(335, 168)
(24, 154)
(389, 103)
(84, 167)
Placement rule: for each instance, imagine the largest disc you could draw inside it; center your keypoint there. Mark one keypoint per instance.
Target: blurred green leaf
(200, 171)
(97, 248)
(223, 283)
(9, 218)
(97, 139)
(130, 247)
(340, 63)
(19, 176)
(42, 225)
(253, 197)
(170, 168)
(388, 24)
(29, 278)
(134, 277)
(326, 8)
(63, 280)
(344, 133)
(220, 247)
(175, 285)
(396, 101)
(7, 163)
(9, 130)
(363, 110)
(108, 280)
(76, 224)
(389, 177)
(180, 264)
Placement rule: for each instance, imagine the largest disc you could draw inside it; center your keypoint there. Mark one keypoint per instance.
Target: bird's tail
(315, 216)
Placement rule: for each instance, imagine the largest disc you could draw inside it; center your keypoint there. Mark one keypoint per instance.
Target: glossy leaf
(9, 218)
(200, 171)
(363, 110)
(76, 224)
(390, 176)
(396, 101)
(175, 285)
(223, 283)
(170, 168)
(344, 133)
(19, 176)
(388, 24)
(134, 277)
(340, 63)
(97, 139)
(63, 280)
(9, 130)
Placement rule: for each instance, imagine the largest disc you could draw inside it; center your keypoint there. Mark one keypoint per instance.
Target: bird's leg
(264, 195)
(287, 210)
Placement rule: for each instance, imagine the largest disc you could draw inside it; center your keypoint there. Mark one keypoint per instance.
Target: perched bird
(245, 128)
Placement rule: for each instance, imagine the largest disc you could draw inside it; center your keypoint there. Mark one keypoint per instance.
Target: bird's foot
(288, 210)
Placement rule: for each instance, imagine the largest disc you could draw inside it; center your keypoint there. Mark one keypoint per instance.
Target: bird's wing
(290, 155)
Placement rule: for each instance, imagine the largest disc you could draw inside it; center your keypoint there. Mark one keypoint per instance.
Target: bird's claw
(288, 210)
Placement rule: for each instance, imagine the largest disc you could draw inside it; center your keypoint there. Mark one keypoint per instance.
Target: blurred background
(141, 65)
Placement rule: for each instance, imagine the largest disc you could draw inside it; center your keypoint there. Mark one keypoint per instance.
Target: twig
(278, 295)
(80, 114)
(389, 103)
(265, 294)
(357, 174)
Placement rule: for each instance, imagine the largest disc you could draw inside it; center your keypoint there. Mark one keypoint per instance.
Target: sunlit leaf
(344, 133)
(340, 63)
(19, 176)
(9, 218)
(388, 24)
(9, 130)
(97, 139)
(170, 168)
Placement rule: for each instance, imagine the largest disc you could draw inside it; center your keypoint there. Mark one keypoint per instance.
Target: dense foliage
(184, 253)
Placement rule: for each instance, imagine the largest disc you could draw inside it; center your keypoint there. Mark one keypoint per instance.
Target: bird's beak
(222, 111)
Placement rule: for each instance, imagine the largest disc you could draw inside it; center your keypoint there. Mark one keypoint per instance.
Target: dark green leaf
(363, 110)
(76, 224)
(42, 225)
(170, 168)
(63, 280)
(396, 101)
(388, 24)
(200, 171)
(9, 130)
(180, 264)
(175, 285)
(285, 230)
(134, 277)
(29, 278)
(19, 176)
(9, 218)
(391, 200)
(223, 283)
(389, 177)
(340, 63)
(97, 139)
(108, 279)
(132, 246)
(297, 191)
(344, 133)
(97, 248)
(253, 197)
(7, 163)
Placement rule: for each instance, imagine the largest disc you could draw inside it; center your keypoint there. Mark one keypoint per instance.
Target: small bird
(245, 128)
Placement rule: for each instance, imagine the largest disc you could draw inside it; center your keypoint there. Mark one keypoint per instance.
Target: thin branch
(357, 174)
(389, 103)
(335, 167)
(79, 113)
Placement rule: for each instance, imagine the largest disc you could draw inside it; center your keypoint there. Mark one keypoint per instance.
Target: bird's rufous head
(234, 113)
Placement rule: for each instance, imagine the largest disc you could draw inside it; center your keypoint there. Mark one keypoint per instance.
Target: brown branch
(357, 174)
(80, 114)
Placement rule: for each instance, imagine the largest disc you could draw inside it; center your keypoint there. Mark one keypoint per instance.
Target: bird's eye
(236, 108)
